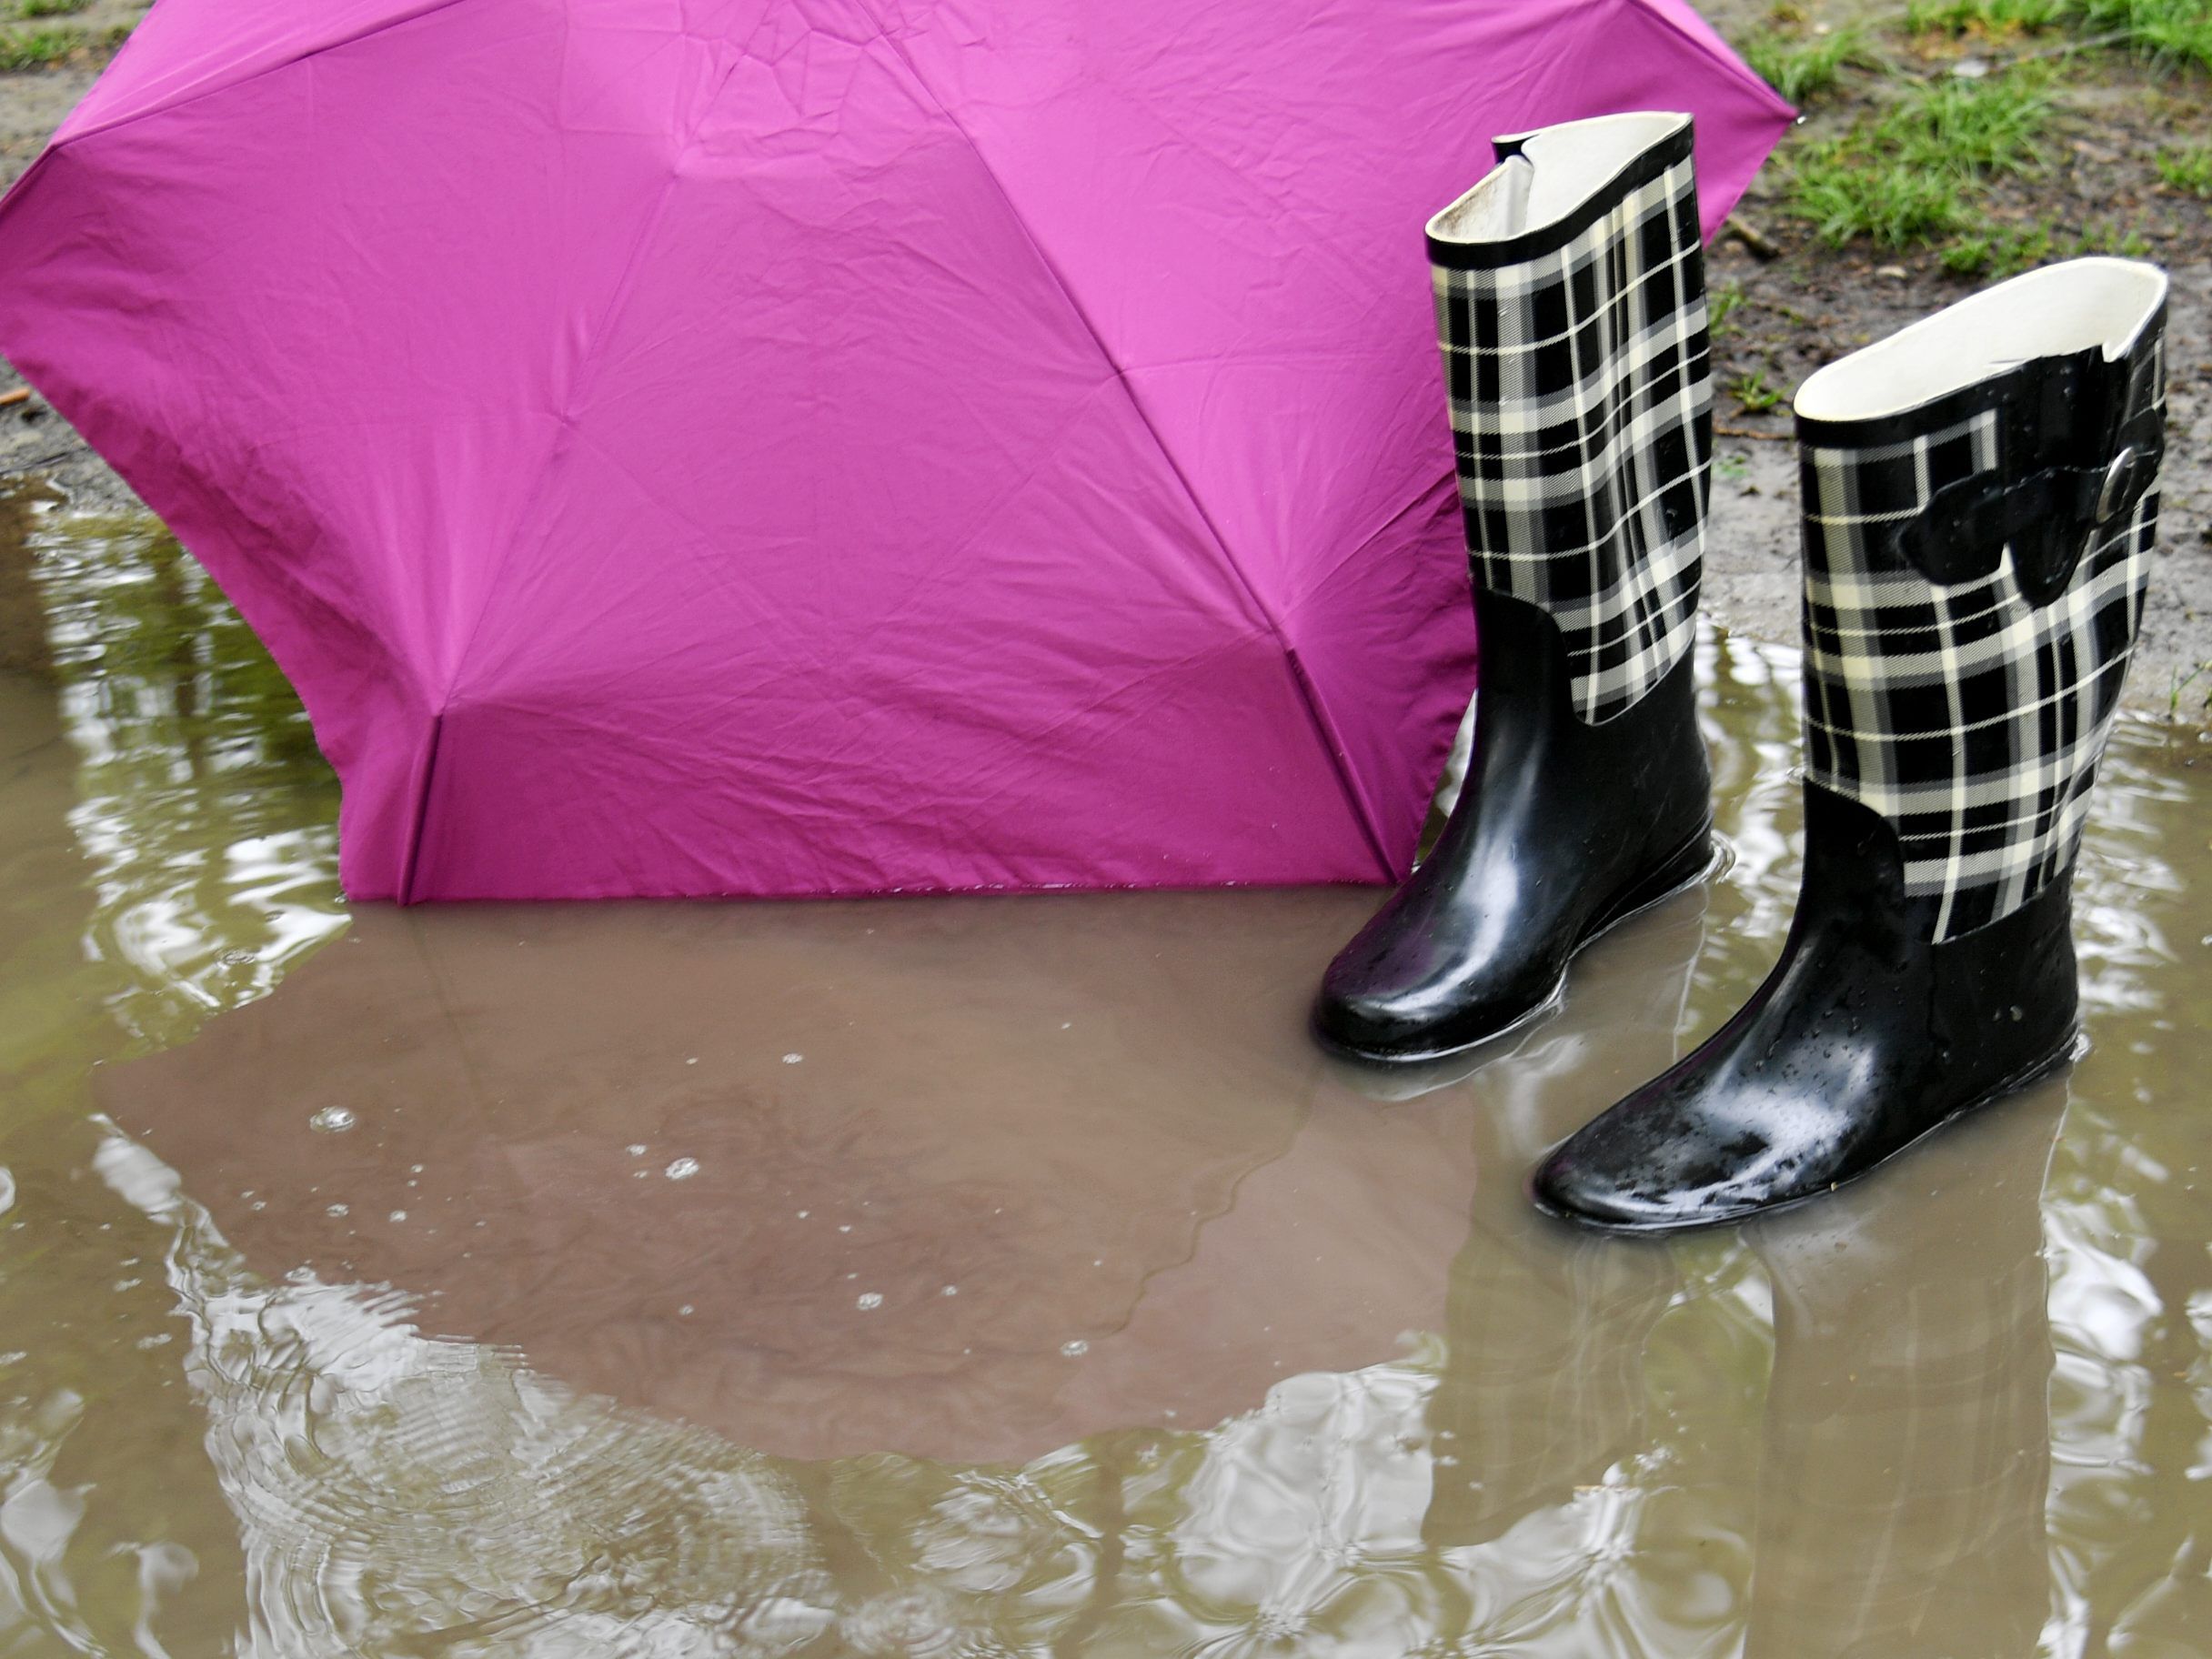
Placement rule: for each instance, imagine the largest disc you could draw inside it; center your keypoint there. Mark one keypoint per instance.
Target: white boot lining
(2054, 312)
(1558, 170)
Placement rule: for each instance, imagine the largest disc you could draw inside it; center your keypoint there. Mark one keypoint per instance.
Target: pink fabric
(793, 447)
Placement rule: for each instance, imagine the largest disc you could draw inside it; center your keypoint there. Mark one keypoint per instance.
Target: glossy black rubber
(1864, 1038)
(1564, 829)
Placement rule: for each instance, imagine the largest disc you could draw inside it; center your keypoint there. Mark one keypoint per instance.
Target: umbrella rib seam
(1348, 782)
(194, 94)
(564, 418)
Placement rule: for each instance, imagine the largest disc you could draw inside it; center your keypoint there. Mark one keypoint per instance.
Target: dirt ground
(1800, 304)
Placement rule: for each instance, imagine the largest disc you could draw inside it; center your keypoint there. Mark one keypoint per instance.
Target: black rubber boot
(1979, 522)
(1863, 1039)
(1570, 304)
(1561, 830)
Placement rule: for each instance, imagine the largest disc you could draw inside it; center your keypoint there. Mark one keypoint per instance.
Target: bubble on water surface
(1075, 1348)
(792, 1059)
(683, 1169)
(399, 1215)
(636, 1148)
(869, 1300)
(337, 1210)
(332, 1121)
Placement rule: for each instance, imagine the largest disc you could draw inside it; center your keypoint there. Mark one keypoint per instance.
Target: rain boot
(1980, 501)
(1569, 296)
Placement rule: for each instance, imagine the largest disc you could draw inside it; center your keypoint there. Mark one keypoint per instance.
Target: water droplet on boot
(683, 1169)
(331, 1121)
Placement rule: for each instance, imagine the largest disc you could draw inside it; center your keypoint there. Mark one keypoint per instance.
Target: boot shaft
(1980, 500)
(1571, 306)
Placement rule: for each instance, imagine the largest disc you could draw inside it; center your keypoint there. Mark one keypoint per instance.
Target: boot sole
(2019, 1082)
(1688, 866)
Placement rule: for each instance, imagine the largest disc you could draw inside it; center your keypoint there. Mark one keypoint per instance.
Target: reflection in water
(1907, 1444)
(963, 1179)
(574, 1279)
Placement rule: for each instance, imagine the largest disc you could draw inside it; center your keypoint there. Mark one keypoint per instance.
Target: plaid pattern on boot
(1581, 386)
(1968, 714)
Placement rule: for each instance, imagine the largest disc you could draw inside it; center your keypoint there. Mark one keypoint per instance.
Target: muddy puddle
(1005, 1276)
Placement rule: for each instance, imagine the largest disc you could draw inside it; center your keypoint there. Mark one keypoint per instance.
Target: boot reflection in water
(1542, 1387)
(1980, 500)
(1907, 1456)
(1570, 294)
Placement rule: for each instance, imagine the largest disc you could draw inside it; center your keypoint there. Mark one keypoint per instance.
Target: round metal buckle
(2116, 477)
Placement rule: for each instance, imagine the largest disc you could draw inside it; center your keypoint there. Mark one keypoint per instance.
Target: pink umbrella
(793, 447)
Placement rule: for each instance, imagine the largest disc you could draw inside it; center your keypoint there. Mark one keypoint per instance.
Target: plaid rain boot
(1980, 500)
(1569, 294)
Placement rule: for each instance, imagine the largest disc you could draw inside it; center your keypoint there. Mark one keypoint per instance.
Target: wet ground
(1005, 1275)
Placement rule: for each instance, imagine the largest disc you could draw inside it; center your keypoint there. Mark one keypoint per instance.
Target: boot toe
(1393, 997)
(1576, 1188)
(1372, 1022)
(1618, 1182)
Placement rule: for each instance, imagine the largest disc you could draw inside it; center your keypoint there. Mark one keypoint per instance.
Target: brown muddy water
(1005, 1276)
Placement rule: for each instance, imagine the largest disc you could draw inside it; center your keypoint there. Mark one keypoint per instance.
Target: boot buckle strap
(2046, 516)
(2121, 489)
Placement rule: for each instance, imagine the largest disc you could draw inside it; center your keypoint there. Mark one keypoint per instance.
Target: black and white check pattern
(1580, 388)
(1969, 717)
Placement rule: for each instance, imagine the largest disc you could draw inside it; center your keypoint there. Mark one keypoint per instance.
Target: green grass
(2182, 682)
(1982, 126)
(37, 48)
(2008, 252)
(50, 8)
(1991, 17)
(1913, 174)
(2188, 171)
(2167, 29)
(1752, 395)
(1721, 307)
(1801, 66)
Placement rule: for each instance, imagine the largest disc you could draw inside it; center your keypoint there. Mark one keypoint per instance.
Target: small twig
(2096, 43)
(1752, 236)
(22, 394)
(1998, 66)
(1768, 438)
(43, 460)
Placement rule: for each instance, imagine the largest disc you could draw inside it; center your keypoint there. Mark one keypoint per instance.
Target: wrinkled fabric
(808, 446)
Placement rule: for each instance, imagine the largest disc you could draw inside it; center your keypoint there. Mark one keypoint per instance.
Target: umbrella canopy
(796, 447)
